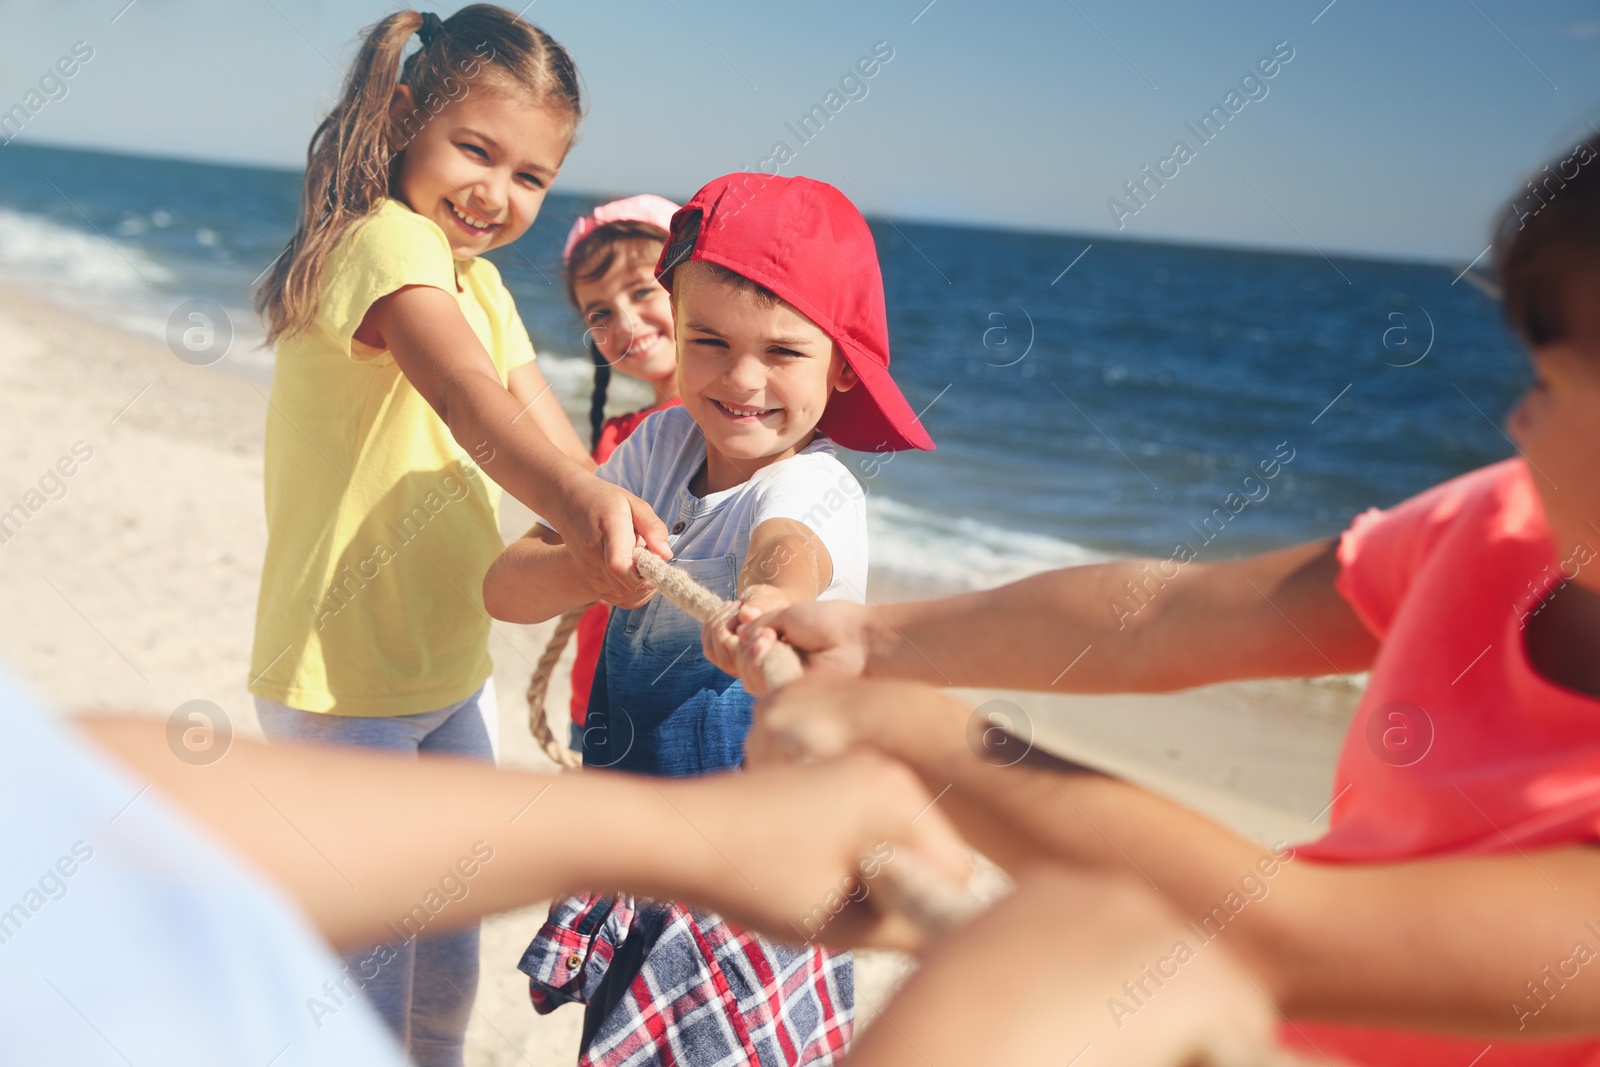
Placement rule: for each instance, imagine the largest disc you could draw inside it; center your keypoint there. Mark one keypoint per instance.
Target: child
(402, 368)
(782, 350)
(797, 832)
(1455, 889)
(610, 258)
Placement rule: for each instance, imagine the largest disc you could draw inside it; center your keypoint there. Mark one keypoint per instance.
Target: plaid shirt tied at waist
(709, 994)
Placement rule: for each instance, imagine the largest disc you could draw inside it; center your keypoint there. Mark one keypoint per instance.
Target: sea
(1090, 397)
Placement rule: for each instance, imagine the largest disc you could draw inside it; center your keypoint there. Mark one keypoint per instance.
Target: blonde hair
(350, 165)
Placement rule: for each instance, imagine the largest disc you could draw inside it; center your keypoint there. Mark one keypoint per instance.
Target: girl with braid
(610, 258)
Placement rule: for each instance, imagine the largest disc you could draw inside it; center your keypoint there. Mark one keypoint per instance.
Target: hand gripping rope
(909, 886)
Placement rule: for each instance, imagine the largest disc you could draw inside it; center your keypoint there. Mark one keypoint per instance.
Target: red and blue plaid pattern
(708, 994)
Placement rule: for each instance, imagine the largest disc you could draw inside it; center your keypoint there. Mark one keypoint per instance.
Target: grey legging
(422, 986)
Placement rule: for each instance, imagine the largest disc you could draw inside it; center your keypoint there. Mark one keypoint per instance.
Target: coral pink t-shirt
(1459, 747)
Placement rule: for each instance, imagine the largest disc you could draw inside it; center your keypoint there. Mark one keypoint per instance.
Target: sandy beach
(133, 581)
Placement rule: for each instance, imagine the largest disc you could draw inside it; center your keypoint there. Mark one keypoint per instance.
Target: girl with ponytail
(403, 375)
(610, 259)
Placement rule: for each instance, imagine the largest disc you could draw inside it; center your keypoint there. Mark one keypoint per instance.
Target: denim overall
(658, 706)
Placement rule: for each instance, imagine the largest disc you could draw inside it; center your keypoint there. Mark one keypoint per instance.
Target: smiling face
(755, 374)
(629, 315)
(1556, 426)
(481, 167)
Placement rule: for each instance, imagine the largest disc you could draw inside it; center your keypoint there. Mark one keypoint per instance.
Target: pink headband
(646, 207)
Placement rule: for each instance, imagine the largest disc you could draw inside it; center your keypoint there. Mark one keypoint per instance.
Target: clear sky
(1395, 129)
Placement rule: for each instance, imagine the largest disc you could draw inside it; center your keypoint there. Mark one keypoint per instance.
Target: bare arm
(539, 403)
(787, 564)
(535, 579)
(1442, 944)
(769, 849)
(1065, 941)
(1138, 625)
(764, 849)
(440, 355)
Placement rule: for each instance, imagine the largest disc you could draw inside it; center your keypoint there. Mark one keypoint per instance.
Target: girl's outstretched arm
(1119, 627)
(539, 403)
(1448, 944)
(440, 355)
(536, 578)
(771, 851)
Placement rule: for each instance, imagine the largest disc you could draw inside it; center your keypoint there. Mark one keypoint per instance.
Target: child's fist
(819, 842)
(720, 635)
(717, 639)
(637, 597)
(833, 637)
(601, 526)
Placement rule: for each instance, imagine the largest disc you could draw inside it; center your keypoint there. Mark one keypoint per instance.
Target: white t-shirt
(658, 460)
(128, 936)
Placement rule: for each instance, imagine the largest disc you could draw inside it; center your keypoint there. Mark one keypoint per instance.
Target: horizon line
(1364, 256)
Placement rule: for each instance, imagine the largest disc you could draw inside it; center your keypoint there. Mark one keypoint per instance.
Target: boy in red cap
(782, 351)
(1450, 915)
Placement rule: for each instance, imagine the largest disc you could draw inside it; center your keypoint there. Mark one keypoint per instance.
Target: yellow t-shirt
(379, 526)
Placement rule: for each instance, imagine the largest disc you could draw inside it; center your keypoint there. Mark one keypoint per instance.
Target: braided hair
(590, 260)
(597, 400)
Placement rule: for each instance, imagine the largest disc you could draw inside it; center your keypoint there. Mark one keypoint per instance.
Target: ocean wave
(912, 547)
(929, 550)
(38, 250)
(571, 378)
(114, 282)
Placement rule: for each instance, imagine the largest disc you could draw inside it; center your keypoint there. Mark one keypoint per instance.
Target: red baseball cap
(805, 240)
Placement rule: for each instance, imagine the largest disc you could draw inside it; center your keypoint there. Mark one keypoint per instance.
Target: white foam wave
(913, 547)
(111, 281)
(942, 552)
(36, 250)
(572, 380)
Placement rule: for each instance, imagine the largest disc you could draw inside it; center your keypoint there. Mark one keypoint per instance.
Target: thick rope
(911, 888)
(539, 684)
(779, 667)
